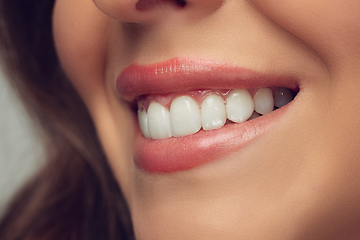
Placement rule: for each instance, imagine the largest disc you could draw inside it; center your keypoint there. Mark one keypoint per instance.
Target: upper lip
(184, 74)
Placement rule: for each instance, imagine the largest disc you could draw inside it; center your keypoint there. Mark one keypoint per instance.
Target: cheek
(80, 40)
(331, 28)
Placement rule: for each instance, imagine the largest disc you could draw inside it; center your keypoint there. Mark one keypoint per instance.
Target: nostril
(148, 4)
(181, 3)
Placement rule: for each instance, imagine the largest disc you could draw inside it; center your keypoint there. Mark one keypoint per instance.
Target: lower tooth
(282, 96)
(239, 105)
(158, 121)
(185, 116)
(264, 101)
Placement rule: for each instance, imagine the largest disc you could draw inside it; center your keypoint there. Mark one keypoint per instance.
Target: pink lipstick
(181, 75)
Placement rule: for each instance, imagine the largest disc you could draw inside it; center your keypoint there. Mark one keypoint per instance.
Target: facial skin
(299, 181)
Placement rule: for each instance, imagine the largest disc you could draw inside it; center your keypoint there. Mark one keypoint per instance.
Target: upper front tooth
(239, 105)
(282, 96)
(264, 101)
(184, 116)
(159, 121)
(143, 122)
(213, 114)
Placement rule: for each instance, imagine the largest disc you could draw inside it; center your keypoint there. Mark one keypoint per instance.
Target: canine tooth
(143, 122)
(159, 121)
(239, 105)
(184, 116)
(264, 101)
(213, 113)
(282, 96)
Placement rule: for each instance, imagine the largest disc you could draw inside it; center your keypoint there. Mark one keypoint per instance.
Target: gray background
(20, 152)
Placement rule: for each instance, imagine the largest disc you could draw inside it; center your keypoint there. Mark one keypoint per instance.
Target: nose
(147, 11)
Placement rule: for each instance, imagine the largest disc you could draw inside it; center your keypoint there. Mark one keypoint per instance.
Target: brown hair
(75, 196)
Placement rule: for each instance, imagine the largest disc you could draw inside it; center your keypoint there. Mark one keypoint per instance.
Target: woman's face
(290, 174)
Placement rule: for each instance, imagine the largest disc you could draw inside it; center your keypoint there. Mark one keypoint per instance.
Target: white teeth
(213, 114)
(264, 101)
(159, 121)
(184, 116)
(239, 105)
(143, 122)
(282, 96)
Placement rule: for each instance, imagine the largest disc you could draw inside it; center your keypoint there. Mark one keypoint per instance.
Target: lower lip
(179, 154)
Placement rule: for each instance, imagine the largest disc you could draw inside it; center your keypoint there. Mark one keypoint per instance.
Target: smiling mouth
(187, 107)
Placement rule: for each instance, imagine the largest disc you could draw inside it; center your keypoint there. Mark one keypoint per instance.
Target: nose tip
(142, 11)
